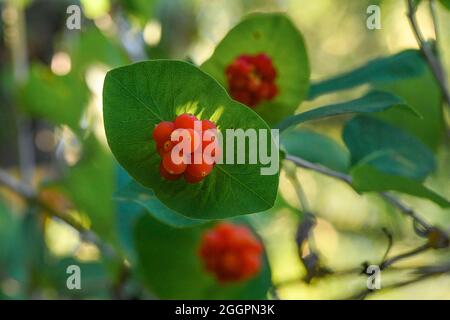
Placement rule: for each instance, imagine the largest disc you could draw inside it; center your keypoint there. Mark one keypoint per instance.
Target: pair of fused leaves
(163, 246)
(138, 97)
(276, 36)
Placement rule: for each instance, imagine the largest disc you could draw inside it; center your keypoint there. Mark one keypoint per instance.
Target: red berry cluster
(231, 252)
(251, 79)
(168, 134)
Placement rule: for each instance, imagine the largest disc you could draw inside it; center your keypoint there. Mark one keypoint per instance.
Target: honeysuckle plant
(256, 79)
(198, 152)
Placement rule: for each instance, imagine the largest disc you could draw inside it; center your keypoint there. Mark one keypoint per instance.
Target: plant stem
(31, 195)
(385, 264)
(348, 179)
(291, 175)
(318, 168)
(433, 61)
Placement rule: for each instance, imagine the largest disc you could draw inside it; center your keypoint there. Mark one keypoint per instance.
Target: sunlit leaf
(138, 97)
(275, 35)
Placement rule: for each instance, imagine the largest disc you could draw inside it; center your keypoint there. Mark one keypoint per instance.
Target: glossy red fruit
(209, 131)
(200, 170)
(208, 125)
(194, 138)
(185, 121)
(191, 179)
(231, 252)
(167, 146)
(166, 175)
(172, 167)
(163, 131)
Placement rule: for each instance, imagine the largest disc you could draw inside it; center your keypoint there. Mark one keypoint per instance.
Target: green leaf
(139, 96)
(423, 94)
(445, 3)
(387, 148)
(147, 200)
(90, 185)
(405, 64)
(58, 99)
(170, 267)
(93, 47)
(275, 35)
(315, 148)
(366, 178)
(374, 101)
(142, 10)
(9, 227)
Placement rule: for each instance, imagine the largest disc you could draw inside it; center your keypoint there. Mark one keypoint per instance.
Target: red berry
(208, 125)
(163, 131)
(166, 175)
(185, 121)
(190, 178)
(194, 139)
(167, 146)
(265, 67)
(251, 79)
(231, 252)
(243, 96)
(200, 170)
(172, 167)
(209, 133)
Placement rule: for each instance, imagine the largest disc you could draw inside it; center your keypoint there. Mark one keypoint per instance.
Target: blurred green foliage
(62, 99)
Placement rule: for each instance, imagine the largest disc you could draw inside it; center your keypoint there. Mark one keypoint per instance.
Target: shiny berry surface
(185, 121)
(172, 167)
(183, 146)
(162, 131)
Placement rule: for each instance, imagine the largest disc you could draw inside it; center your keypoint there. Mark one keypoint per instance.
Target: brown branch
(390, 198)
(427, 51)
(31, 195)
(388, 262)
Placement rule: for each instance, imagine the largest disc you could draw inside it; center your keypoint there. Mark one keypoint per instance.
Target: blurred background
(52, 136)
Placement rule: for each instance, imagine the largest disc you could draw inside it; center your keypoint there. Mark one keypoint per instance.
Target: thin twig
(390, 198)
(427, 51)
(385, 264)
(31, 195)
(318, 168)
(434, 18)
(348, 179)
(303, 201)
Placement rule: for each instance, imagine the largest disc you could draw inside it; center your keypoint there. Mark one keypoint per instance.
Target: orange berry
(185, 121)
(172, 167)
(231, 252)
(166, 175)
(163, 131)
